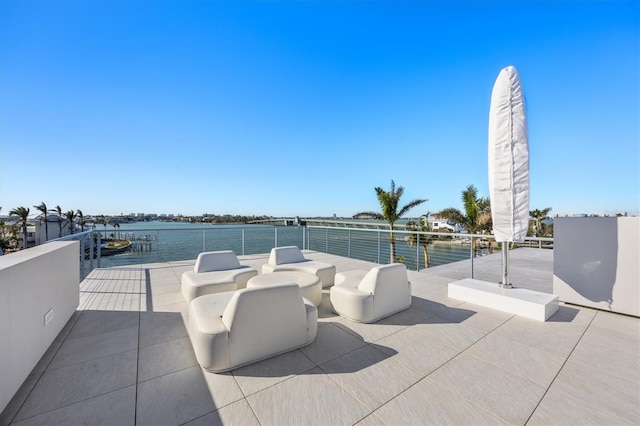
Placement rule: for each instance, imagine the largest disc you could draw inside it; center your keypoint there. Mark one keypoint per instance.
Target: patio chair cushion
(369, 296)
(216, 261)
(232, 329)
(290, 258)
(215, 272)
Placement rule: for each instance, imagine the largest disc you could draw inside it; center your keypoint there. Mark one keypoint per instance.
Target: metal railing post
(92, 248)
(349, 255)
(326, 240)
(204, 241)
(99, 248)
(472, 257)
(82, 258)
(378, 247)
(275, 236)
(418, 252)
(243, 241)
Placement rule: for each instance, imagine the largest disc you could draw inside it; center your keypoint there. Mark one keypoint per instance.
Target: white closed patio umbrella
(508, 164)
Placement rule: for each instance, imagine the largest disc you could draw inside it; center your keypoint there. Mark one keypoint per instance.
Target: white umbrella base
(518, 301)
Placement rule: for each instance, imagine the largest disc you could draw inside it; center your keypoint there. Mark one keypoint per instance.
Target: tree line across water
(475, 218)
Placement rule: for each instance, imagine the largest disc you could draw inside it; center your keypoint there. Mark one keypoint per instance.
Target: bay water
(158, 241)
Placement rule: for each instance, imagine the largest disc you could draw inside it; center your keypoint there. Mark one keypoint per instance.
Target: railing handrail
(444, 234)
(72, 236)
(331, 240)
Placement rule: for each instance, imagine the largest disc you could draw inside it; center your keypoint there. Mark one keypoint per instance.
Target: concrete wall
(595, 262)
(34, 283)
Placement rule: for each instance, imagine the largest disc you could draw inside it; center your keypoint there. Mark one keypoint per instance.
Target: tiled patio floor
(125, 358)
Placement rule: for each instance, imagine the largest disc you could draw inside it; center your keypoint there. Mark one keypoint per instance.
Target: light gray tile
(362, 371)
(440, 295)
(455, 335)
(127, 303)
(615, 339)
(63, 386)
(97, 322)
(526, 361)
(263, 374)
(503, 394)
(165, 288)
(559, 338)
(160, 277)
(415, 351)
(115, 408)
(557, 408)
(371, 420)
(609, 355)
(18, 399)
(482, 317)
(158, 327)
(430, 285)
(160, 300)
(183, 396)
(619, 323)
(472, 315)
(577, 315)
(598, 389)
(307, 399)
(164, 358)
(428, 403)
(83, 349)
(407, 318)
(331, 342)
(367, 332)
(237, 413)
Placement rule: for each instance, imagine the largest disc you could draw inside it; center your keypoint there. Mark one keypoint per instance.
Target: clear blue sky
(302, 108)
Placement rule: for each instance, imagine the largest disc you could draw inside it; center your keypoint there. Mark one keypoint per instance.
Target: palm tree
(103, 221)
(70, 215)
(538, 216)
(477, 213)
(81, 219)
(115, 225)
(43, 209)
(23, 214)
(423, 240)
(389, 205)
(58, 210)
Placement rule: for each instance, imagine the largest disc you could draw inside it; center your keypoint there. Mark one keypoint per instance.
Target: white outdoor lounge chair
(369, 296)
(215, 272)
(232, 329)
(290, 258)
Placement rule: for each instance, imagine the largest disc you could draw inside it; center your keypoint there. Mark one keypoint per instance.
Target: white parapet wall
(596, 262)
(39, 292)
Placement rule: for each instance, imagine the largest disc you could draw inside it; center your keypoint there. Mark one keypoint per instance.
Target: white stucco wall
(595, 262)
(32, 283)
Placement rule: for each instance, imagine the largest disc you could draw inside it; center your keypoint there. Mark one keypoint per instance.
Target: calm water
(169, 241)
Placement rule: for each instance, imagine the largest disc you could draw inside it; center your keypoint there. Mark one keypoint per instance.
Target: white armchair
(290, 258)
(232, 329)
(369, 296)
(215, 272)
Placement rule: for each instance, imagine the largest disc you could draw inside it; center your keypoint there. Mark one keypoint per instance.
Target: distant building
(440, 225)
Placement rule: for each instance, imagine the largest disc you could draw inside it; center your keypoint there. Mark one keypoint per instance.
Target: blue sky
(302, 108)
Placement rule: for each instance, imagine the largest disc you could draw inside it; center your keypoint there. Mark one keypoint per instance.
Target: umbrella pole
(505, 266)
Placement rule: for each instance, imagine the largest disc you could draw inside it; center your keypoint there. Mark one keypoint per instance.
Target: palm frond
(411, 205)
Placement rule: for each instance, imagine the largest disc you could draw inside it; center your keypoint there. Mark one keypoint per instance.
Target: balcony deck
(125, 358)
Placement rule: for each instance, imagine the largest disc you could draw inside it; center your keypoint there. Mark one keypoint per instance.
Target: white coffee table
(310, 285)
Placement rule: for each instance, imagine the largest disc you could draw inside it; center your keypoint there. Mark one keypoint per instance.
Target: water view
(169, 241)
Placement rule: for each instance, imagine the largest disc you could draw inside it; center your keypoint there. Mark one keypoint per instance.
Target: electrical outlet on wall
(48, 316)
